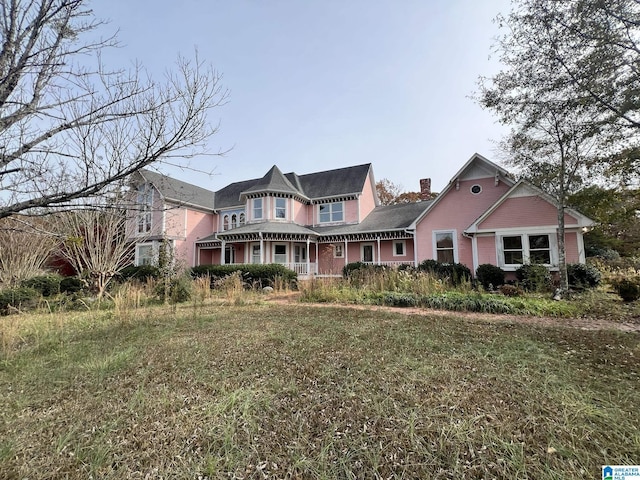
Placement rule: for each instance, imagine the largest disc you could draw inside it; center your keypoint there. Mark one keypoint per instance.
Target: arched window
(234, 221)
(225, 222)
(242, 219)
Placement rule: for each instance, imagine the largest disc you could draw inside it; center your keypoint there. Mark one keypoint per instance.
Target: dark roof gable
(179, 191)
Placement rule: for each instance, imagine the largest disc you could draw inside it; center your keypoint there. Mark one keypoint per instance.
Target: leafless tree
(94, 242)
(25, 248)
(69, 131)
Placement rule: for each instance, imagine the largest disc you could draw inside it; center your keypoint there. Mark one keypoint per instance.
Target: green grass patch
(272, 391)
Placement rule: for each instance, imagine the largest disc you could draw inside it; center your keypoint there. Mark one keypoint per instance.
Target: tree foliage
(572, 118)
(68, 128)
(390, 193)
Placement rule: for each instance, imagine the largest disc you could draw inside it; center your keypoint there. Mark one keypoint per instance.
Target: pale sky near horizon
(316, 85)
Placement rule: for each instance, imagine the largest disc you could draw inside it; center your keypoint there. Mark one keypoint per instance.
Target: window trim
(404, 248)
(255, 208)
(144, 200)
(331, 212)
(338, 250)
(434, 239)
(373, 252)
(286, 253)
(153, 257)
(526, 256)
(253, 256)
(276, 208)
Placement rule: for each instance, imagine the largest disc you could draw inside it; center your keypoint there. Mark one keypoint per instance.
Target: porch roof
(268, 230)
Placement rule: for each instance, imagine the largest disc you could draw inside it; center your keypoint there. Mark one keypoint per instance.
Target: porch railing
(303, 268)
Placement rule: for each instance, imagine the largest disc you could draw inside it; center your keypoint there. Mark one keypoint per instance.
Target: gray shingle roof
(383, 218)
(274, 182)
(179, 191)
(269, 227)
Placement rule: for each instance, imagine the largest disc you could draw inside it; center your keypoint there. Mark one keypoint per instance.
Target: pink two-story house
(318, 222)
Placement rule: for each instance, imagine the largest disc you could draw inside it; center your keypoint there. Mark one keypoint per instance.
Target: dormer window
(331, 212)
(234, 220)
(280, 208)
(242, 219)
(225, 222)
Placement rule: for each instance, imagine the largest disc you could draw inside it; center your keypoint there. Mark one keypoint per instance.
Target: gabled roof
(334, 183)
(177, 191)
(583, 220)
(476, 160)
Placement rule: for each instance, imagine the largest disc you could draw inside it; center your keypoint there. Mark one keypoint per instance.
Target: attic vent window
(476, 189)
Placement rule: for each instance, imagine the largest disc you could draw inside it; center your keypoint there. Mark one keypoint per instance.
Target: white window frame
(279, 208)
(331, 212)
(338, 250)
(286, 253)
(454, 234)
(154, 254)
(225, 222)
(526, 250)
(144, 222)
(255, 208)
(243, 219)
(404, 248)
(256, 255)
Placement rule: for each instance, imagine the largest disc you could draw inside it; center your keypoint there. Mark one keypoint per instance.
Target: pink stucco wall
(368, 197)
(524, 212)
(456, 211)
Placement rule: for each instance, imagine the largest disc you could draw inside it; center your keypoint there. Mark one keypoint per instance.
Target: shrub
(350, 268)
(488, 274)
(511, 290)
(140, 272)
(583, 276)
(534, 278)
(16, 297)
(628, 289)
(252, 274)
(45, 285)
(456, 273)
(175, 289)
(71, 285)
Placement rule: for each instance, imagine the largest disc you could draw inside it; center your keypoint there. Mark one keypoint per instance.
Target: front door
(367, 253)
(299, 254)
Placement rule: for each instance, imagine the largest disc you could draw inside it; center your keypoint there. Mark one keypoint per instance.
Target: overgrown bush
(252, 274)
(350, 268)
(175, 289)
(534, 278)
(456, 273)
(71, 285)
(511, 290)
(489, 275)
(45, 285)
(140, 272)
(583, 276)
(17, 297)
(628, 289)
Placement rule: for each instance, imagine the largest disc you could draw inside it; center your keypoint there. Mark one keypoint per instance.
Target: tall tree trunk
(562, 254)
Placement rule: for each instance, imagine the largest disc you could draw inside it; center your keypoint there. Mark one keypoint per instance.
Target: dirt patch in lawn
(584, 323)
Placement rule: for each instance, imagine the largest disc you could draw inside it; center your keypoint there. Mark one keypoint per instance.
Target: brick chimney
(425, 189)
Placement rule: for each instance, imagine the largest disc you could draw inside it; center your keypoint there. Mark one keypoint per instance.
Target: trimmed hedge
(583, 276)
(456, 273)
(141, 272)
(534, 278)
(489, 275)
(45, 285)
(252, 274)
(18, 297)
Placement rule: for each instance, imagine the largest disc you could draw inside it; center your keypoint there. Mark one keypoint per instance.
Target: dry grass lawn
(291, 391)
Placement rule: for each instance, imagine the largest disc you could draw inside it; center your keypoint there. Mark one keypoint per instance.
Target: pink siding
(386, 251)
(301, 213)
(368, 198)
(456, 211)
(351, 211)
(524, 212)
(199, 225)
(571, 247)
(487, 250)
(174, 223)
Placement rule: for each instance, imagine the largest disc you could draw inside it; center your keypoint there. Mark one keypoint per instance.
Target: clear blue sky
(325, 84)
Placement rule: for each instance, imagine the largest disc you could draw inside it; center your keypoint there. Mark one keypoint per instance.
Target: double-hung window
(519, 249)
(145, 202)
(257, 208)
(399, 248)
(445, 247)
(331, 212)
(280, 208)
(279, 253)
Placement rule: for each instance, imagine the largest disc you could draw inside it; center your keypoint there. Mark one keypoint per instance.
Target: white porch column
(223, 252)
(317, 258)
(261, 249)
(378, 240)
(308, 258)
(346, 254)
